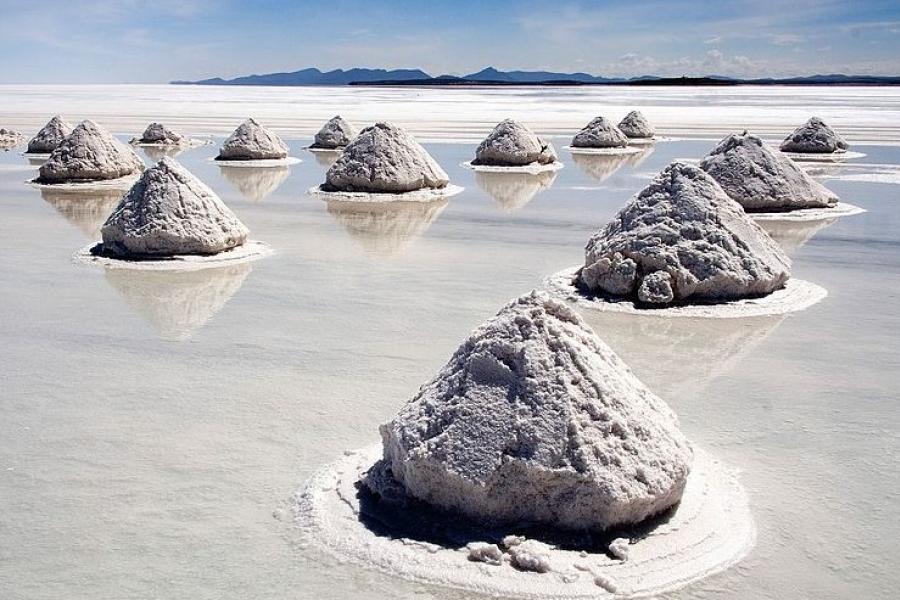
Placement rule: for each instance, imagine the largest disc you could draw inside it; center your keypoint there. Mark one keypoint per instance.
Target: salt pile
(335, 134)
(635, 125)
(600, 133)
(89, 153)
(50, 136)
(252, 141)
(512, 144)
(761, 180)
(9, 138)
(814, 137)
(160, 135)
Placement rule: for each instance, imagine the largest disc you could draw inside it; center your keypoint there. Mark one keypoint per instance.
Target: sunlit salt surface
(152, 432)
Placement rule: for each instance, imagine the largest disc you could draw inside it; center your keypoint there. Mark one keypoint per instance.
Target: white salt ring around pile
(422, 195)
(534, 168)
(191, 143)
(337, 150)
(630, 149)
(711, 530)
(841, 209)
(246, 252)
(796, 295)
(839, 156)
(258, 162)
(120, 183)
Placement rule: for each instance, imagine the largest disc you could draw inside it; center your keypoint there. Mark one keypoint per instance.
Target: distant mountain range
(494, 77)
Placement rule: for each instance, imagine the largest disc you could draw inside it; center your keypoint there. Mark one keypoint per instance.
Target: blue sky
(159, 40)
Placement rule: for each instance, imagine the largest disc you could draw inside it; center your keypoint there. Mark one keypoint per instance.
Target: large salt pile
(512, 144)
(814, 137)
(682, 239)
(252, 141)
(534, 419)
(762, 180)
(600, 133)
(89, 153)
(170, 212)
(636, 126)
(384, 158)
(335, 134)
(50, 136)
(159, 134)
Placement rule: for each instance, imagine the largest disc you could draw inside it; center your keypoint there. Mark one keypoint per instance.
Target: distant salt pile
(512, 144)
(50, 136)
(9, 138)
(682, 239)
(636, 126)
(159, 134)
(252, 141)
(814, 137)
(600, 133)
(760, 179)
(534, 419)
(384, 158)
(170, 212)
(335, 134)
(89, 153)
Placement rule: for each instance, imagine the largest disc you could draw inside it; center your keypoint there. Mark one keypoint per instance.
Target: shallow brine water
(154, 425)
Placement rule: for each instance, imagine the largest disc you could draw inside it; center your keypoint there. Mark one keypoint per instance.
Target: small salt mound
(682, 239)
(384, 158)
(512, 144)
(336, 133)
(252, 141)
(814, 137)
(600, 133)
(50, 136)
(760, 179)
(534, 419)
(89, 153)
(170, 212)
(635, 125)
(157, 133)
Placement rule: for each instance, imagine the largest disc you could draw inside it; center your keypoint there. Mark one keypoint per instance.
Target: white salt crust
(796, 295)
(629, 149)
(534, 168)
(190, 143)
(121, 183)
(246, 252)
(648, 141)
(258, 162)
(324, 150)
(822, 157)
(711, 530)
(841, 209)
(422, 195)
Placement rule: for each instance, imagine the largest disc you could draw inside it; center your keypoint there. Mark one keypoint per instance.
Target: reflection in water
(512, 191)
(178, 303)
(87, 210)
(602, 166)
(156, 153)
(677, 357)
(36, 160)
(385, 228)
(792, 235)
(326, 158)
(255, 183)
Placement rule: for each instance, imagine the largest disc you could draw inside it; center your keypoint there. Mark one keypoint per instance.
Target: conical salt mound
(682, 239)
(384, 158)
(50, 136)
(252, 141)
(814, 137)
(336, 133)
(9, 138)
(535, 419)
(600, 133)
(511, 144)
(170, 212)
(157, 133)
(89, 153)
(761, 180)
(635, 125)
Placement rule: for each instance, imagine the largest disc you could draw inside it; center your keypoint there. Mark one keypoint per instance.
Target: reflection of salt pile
(89, 153)
(792, 235)
(177, 304)
(252, 141)
(682, 239)
(385, 228)
(156, 153)
(159, 134)
(86, 210)
(512, 191)
(600, 133)
(814, 137)
(255, 183)
(50, 136)
(761, 180)
(636, 126)
(336, 133)
(602, 166)
(512, 144)
(326, 158)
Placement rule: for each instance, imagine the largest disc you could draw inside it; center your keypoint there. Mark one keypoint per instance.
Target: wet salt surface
(150, 440)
